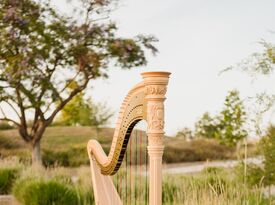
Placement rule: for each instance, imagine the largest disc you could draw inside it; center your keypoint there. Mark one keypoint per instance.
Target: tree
(84, 112)
(228, 125)
(232, 121)
(185, 133)
(259, 63)
(47, 58)
(100, 114)
(76, 112)
(207, 126)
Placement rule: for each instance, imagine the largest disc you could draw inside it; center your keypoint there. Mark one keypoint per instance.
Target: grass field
(66, 146)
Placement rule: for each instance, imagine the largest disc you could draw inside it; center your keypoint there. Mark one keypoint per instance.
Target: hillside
(67, 146)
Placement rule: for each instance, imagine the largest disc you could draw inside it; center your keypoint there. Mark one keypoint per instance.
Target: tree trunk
(36, 153)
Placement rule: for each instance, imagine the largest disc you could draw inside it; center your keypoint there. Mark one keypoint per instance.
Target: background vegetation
(39, 186)
(66, 146)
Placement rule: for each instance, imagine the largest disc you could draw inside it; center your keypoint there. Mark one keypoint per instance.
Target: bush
(254, 174)
(72, 157)
(196, 150)
(10, 169)
(5, 126)
(38, 191)
(7, 178)
(51, 158)
(7, 143)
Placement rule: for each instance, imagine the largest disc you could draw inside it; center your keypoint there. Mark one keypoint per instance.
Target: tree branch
(10, 120)
(23, 128)
(62, 90)
(5, 118)
(66, 86)
(13, 108)
(64, 102)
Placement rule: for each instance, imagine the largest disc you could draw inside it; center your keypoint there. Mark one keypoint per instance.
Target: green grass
(9, 172)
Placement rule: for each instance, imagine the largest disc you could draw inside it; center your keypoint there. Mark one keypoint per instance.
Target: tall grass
(209, 189)
(213, 186)
(9, 172)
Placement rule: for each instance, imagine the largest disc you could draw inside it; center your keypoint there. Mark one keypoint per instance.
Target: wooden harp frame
(144, 102)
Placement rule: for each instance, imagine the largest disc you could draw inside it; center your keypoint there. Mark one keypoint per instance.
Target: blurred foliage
(47, 57)
(5, 126)
(185, 133)
(268, 149)
(195, 150)
(7, 178)
(35, 191)
(66, 146)
(84, 113)
(207, 127)
(253, 176)
(228, 126)
(264, 174)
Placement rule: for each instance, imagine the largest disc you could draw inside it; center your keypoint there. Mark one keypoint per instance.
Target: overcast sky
(197, 39)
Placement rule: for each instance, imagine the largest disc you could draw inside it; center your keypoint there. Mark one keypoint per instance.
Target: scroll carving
(156, 90)
(156, 119)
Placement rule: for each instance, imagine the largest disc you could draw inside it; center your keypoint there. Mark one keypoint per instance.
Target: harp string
(140, 160)
(131, 181)
(146, 172)
(136, 165)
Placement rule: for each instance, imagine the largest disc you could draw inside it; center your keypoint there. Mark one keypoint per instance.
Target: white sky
(198, 39)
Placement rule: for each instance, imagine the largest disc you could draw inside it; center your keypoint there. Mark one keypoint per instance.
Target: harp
(145, 101)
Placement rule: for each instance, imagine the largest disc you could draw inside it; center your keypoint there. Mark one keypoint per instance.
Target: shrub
(10, 169)
(268, 150)
(72, 157)
(5, 126)
(39, 191)
(254, 174)
(51, 158)
(7, 178)
(7, 143)
(196, 150)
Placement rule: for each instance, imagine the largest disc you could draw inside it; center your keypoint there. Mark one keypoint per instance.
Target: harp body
(144, 102)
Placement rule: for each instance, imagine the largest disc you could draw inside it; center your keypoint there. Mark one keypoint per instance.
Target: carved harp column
(155, 90)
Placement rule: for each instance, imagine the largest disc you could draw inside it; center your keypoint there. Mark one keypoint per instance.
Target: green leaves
(47, 58)
(84, 112)
(233, 119)
(268, 148)
(43, 51)
(228, 126)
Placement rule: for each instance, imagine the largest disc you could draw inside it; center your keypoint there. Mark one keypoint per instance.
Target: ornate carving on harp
(144, 102)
